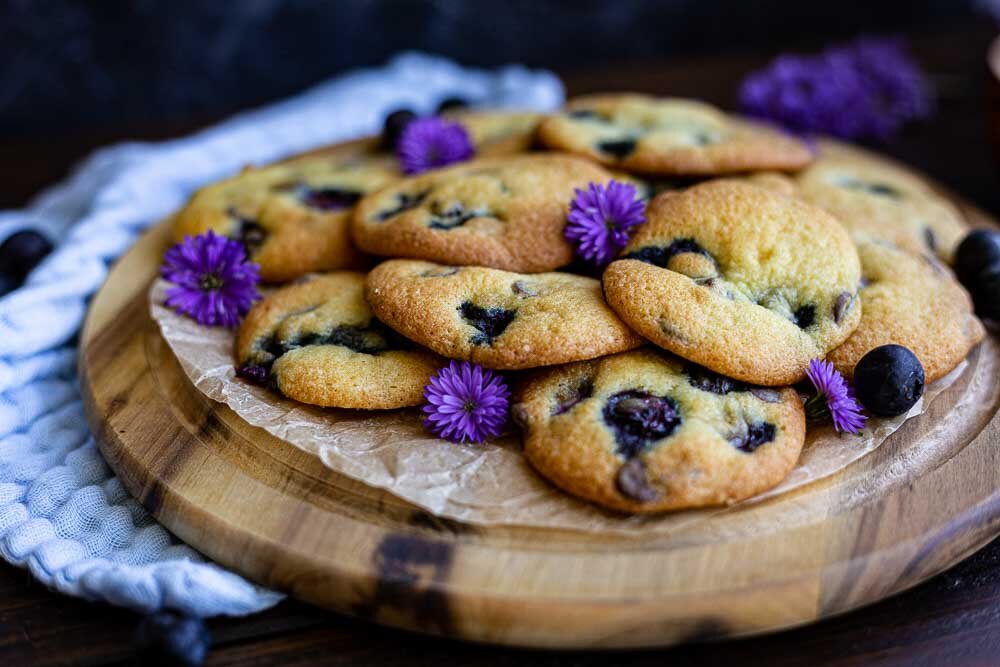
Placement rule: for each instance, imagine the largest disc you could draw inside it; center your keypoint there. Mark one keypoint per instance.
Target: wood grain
(276, 514)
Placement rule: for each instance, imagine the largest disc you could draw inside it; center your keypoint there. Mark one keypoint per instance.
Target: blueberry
(21, 252)
(452, 103)
(805, 316)
(253, 373)
(889, 380)
(977, 251)
(329, 199)
(168, 638)
(620, 149)
(394, 125)
(986, 293)
(490, 322)
(638, 418)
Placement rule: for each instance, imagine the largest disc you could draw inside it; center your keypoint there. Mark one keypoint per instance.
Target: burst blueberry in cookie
(668, 137)
(877, 200)
(909, 300)
(318, 342)
(293, 216)
(643, 431)
(740, 279)
(505, 212)
(497, 318)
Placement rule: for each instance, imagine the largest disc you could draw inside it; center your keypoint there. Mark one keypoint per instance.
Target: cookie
(496, 318)
(506, 213)
(644, 431)
(877, 200)
(912, 301)
(293, 217)
(665, 136)
(498, 132)
(317, 342)
(748, 282)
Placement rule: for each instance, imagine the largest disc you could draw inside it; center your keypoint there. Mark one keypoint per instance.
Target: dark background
(70, 65)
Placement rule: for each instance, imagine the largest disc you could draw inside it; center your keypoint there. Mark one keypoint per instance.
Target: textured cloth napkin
(63, 513)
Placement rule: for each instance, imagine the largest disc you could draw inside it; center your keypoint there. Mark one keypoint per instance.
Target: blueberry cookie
(495, 318)
(738, 278)
(644, 431)
(663, 136)
(293, 217)
(875, 199)
(912, 301)
(506, 213)
(317, 342)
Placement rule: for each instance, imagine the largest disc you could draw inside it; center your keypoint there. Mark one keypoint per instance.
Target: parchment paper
(490, 484)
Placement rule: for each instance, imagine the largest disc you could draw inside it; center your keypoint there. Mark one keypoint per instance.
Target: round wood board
(274, 513)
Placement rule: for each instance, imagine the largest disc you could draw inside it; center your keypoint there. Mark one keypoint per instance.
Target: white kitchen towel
(63, 513)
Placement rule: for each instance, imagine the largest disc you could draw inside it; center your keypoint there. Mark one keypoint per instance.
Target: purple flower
(428, 143)
(868, 88)
(600, 218)
(466, 403)
(215, 284)
(833, 398)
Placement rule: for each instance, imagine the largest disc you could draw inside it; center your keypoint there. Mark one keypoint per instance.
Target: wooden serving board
(274, 513)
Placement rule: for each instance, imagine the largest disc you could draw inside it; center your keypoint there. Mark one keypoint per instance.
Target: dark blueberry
(452, 103)
(805, 316)
(452, 217)
(168, 638)
(404, 202)
(889, 380)
(633, 483)
(703, 139)
(660, 256)
(930, 239)
(568, 397)
(880, 189)
(710, 381)
(751, 436)
(253, 373)
(490, 322)
(619, 148)
(986, 293)
(842, 305)
(584, 114)
(21, 252)
(394, 125)
(7, 284)
(977, 251)
(372, 338)
(248, 232)
(329, 199)
(638, 418)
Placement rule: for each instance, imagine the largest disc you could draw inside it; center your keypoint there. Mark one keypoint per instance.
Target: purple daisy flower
(215, 285)
(600, 218)
(466, 403)
(428, 143)
(868, 88)
(834, 398)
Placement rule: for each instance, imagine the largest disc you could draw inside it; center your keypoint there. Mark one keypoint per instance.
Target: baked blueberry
(329, 199)
(805, 316)
(168, 638)
(491, 322)
(638, 418)
(986, 293)
(977, 251)
(751, 436)
(620, 148)
(452, 103)
(21, 252)
(889, 380)
(394, 125)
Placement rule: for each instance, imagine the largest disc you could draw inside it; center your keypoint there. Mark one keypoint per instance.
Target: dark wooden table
(954, 619)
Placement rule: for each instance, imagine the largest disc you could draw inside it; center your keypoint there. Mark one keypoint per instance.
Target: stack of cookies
(659, 381)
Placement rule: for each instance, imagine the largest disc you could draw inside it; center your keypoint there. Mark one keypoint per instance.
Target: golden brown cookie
(317, 342)
(912, 301)
(666, 136)
(294, 216)
(748, 282)
(876, 199)
(644, 431)
(506, 213)
(496, 318)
